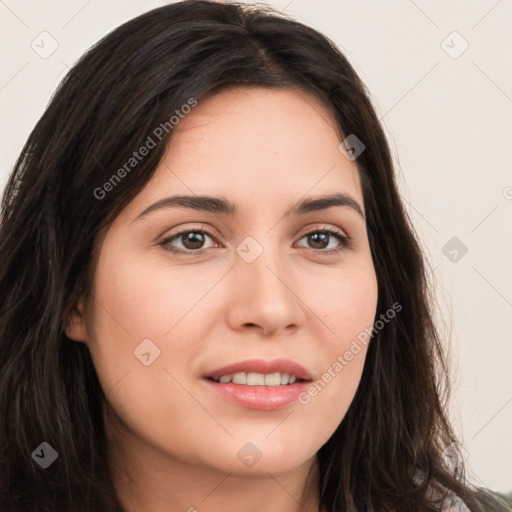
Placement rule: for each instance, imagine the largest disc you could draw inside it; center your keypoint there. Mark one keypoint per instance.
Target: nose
(265, 294)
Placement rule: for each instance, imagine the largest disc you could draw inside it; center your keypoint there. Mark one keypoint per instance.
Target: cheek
(347, 305)
(133, 297)
(150, 300)
(348, 320)
(134, 304)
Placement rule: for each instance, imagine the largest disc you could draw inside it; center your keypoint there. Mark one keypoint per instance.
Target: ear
(75, 328)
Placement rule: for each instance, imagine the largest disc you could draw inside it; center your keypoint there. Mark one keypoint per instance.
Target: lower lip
(265, 398)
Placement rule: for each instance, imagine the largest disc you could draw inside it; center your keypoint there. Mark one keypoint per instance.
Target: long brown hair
(387, 453)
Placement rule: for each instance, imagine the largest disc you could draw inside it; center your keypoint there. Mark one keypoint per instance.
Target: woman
(212, 295)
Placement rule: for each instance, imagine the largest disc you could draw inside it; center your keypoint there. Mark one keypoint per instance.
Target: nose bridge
(264, 290)
(261, 261)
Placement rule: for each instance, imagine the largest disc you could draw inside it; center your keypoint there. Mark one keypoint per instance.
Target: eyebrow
(223, 206)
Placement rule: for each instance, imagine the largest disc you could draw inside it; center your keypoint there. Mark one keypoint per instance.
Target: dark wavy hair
(388, 452)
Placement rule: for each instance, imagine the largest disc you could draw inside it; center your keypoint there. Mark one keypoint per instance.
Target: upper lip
(262, 366)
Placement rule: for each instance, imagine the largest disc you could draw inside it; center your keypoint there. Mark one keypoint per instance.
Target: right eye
(194, 239)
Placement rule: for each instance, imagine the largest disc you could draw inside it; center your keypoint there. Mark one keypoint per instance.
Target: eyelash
(346, 243)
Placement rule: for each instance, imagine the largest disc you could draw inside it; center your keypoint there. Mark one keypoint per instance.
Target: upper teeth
(258, 379)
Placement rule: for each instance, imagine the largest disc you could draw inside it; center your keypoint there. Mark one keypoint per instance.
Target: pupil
(195, 239)
(323, 236)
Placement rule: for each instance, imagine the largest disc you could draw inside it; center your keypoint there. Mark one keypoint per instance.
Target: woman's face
(249, 293)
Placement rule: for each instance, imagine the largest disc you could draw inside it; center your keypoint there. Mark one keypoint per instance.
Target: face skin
(174, 442)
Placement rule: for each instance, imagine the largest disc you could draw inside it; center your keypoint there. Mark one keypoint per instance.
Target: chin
(259, 455)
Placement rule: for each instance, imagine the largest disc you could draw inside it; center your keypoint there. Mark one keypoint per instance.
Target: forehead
(256, 143)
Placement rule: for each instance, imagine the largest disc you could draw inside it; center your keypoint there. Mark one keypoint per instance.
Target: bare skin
(174, 442)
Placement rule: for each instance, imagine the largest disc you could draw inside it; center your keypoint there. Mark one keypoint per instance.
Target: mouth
(258, 379)
(259, 384)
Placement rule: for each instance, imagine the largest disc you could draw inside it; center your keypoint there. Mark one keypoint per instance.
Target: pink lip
(266, 398)
(262, 366)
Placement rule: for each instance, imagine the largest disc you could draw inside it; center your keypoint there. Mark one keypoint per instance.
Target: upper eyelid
(312, 229)
(208, 231)
(177, 235)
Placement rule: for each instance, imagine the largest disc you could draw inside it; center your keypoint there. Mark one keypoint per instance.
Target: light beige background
(449, 120)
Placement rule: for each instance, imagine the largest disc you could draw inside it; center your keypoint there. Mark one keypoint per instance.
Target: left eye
(193, 240)
(322, 236)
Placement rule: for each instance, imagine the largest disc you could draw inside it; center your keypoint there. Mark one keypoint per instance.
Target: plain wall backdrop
(440, 76)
